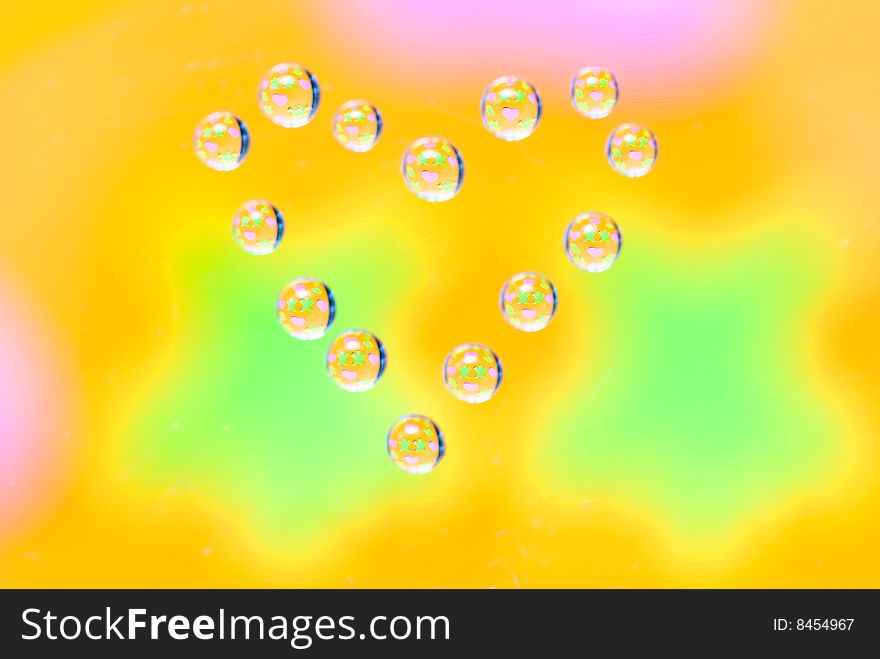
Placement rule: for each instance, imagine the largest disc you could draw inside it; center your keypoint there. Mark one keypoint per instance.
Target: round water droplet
(528, 301)
(289, 95)
(511, 108)
(356, 360)
(433, 169)
(257, 227)
(306, 309)
(593, 241)
(221, 141)
(472, 373)
(357, 125)
(415, 444)
(631, 150)
(594, 92)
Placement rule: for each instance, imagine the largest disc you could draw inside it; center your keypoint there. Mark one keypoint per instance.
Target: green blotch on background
(247, 414)
(698, 403)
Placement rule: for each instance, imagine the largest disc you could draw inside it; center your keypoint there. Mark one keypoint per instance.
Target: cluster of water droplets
(433, 169)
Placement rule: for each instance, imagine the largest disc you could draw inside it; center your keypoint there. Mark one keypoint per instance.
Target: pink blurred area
(686, 42)
(35, 408)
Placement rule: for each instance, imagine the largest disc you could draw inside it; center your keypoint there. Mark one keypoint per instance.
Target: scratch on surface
(609, 375)
(497, 563)
(522, 548)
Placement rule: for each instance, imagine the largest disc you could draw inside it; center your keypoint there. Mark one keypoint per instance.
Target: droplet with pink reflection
(511, 108)
(357, 126)
(472, 373)
(306, 308)
(221, 141)
(632, 150)
(289, 95)
(593, 241)
(528, 301)
(594, 92)
(257, 227)
(433, 169)
(415, 444)
(356, 360)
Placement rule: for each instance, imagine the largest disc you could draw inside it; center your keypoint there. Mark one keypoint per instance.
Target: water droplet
(257, 227)
(221, 141)
(356, 360)
(528, 301)
(357, 125)
(631, 150)
(511, 108)
(433, 169)
(289, 95)
(594, 92)
(593, 241)
(306, 309)
(415, 444)
(472, 373)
